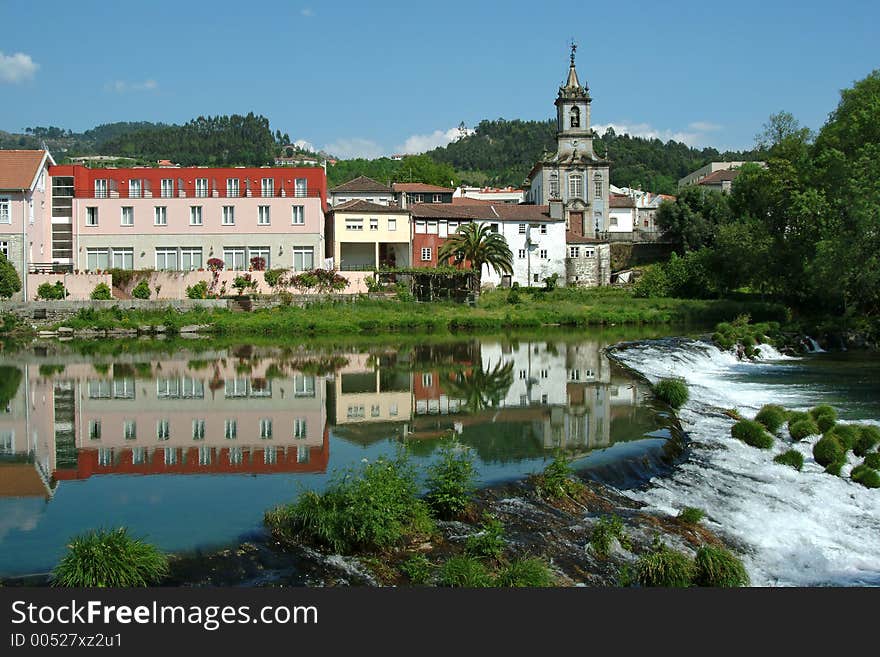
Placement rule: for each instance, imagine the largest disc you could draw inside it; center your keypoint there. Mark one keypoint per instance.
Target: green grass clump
(101, 292)
(110, 558)
(752, 433)
(834, 468)
(867, 477)
(664, 567)
(792, 457)
(557, 480)
(872, 460)
(529, 572)
(373, 508)
(772, 417)
(672, 391)
(715, 566)
(419, 569)
(691, 515)
(606, 530)
(829, 450)
(869, 436)
(465, 571)
(450, 481)
(847, 434)
(823, 410)
(802, 428)
(489, 541)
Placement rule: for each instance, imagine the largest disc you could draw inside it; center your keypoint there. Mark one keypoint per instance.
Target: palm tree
(476, 244)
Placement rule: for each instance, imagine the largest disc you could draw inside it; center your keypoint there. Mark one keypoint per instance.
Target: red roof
(18, 169)
(419, 187)
(720, 176)
(361, 184)
(359, 205)
(573, 238)
(466, 200)
(621, 201)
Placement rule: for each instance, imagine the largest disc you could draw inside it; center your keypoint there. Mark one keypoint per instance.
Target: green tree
(475, 244)
(692, 220)
(10, 283)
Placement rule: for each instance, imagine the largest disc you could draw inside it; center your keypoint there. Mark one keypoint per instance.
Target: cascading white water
(795, 528)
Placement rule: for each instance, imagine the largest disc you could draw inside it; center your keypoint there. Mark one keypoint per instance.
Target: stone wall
(79, 286)
(57, 311)
(590, 272)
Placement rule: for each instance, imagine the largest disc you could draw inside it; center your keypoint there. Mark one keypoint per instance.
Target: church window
(575, 117)
(575, 186)
(554, 186)
(597, 181)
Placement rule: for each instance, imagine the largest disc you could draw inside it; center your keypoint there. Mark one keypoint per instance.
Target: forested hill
(502, 152)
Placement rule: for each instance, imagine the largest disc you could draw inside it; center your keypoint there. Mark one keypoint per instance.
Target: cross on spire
(574, 48)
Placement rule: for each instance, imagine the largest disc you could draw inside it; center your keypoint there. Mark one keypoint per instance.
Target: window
(4, 249)
(266, 429)
(263, 218)
(160, 215)
(543, 399)
(589, 253)
(420, 226)
(542, 253)
(493, 228)
(375, 410)
(392, 224)
(554, 186)
(5, 210)
(228, 215)
(138, 456)
(574, 117)
(522, 229)
(355, 411)
(544, 374)
(270, 456)
(195, 215)
(522, 374)
(166, 259)
(230, 429)
(127, 216)
(392, 409)
(135, 188)
(198, 430)
(354, 224)
(267, 187)
(299, 427)
(167, 187)
(91, 216)
(233, 256)
(302, 453)
(534, 278)
(201, 187)
(303, 258)
(163, 430)
(123, 258)
(574, 375)
(259, 252)
(427, 379)
(437, 198)
(613, 221)
(426, 254)
(236, 455)
(101, 188)
(543, 229)
(597, 181)
(433, 228)
(303, 386)
(298, 215)
(575, 186)
(417, 198)
(170, 456)
(95, 429)
(522, 253)
(574, 252)
(190, 258)
(232, 187)
(204, 455)
(374, 224)
(97, 259)
(129, 430)
(168, 388)
(301, 187)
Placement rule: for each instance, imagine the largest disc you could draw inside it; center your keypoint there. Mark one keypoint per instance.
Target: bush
(847, 434)
(197, 290)
(664, 567)
(530, 572)
(51, 291)
(418, 568)
(792, 457)
(772, 417)
(867, 477)
(215, 264)
(465, 572)
(868, 437)
(691, 515)
(110, 558)
(834, 468)
(752, 433)
(513, 296)
(258, 263)
(606, 530)
(557, 479)
(450, 481)
(141, 290)
(802, 428)
(101, 292)
(823, 410)
(829, 450)
(489, 541)
(371, 508)
(872, 460)
(672, 391)
(715, 566)
(275, 277)
(10, 283)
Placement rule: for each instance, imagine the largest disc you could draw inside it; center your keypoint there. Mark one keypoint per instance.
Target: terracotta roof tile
(361, 184)
(359, 205)
(573, 238)
(483, 212)
(719, 176)
(419, 187)
(621, 201)
(19, 168)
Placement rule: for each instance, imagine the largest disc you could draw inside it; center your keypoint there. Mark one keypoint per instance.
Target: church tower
(573, 114)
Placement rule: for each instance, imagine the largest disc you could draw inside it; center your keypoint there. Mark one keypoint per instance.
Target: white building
(361, 189)
(494, 194)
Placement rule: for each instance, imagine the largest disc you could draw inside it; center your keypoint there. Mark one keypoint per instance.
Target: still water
(188, 450)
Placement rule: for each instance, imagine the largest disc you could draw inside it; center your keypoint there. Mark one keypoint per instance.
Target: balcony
(189, 191)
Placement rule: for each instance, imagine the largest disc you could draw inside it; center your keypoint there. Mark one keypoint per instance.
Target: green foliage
(419, 569)
(10, 379)
(692, 220)
(513, 296)
(801, 428)
(275, 277)
(847, 434)
(10, 283)
(373, 508)
(772, 417)
(101, 292)
(414, 168)
(867, 477)
(245, 282)
(672, 391)
(691, 515)
(451, 481)
(477, 245)
(829, 450)
(403, 292)
(527, 572)
(664, 567)
(110, 558)
(872, 460)
(686, 276)
(489, 541)
(791, 457)
(869, 436)
(142, 290)
(752, 433)
(557, 480)
(717, 567)
(465, 571)
(51, 291)
(197, 290)
(834, 468)
(605, 531)
(825, 416)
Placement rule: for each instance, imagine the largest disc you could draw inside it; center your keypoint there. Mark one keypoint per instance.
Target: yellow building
(363, 236)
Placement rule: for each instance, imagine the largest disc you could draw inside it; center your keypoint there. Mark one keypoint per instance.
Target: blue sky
(372, 78)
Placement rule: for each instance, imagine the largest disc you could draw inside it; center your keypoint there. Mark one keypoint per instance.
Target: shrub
(197, 290)
(834, 468)
(868, 437)
(513, 296)
(557, 479)
(258, 263)
(101, 292)
(867, 477)
(418, 568)
(10, 380)
(752, 433)
(531, 572)
(607, 529)
(772, 417)
(823, 410)
(489, 541)
(51, 291)
(672, 391)
(403, 292)
(450, 481)
(141, 290)
(10, 283)
(829, 450)
(215, 264)
(803, 428)
(715, 566)
(664, 567)
(872, 460)
(465, 572)
(792, 457)
(847, 434)
(275, 277)
(110, 558)
(691, 515)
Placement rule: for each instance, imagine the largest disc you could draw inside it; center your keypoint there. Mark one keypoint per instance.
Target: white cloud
(304, 145)
(354, 147)
(17, 67)
(649, 132)
(121, 86)
(308, 13)
(704, 126)
(421, 143)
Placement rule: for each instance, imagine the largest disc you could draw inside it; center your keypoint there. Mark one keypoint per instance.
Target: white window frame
(437, 198)
(574, 252)
(121, 252)
(267, 187)
(101, 188)
(264, 217)
(297, 215)
(543, 229)
(299, 428)
(163, 430)
(392, 224)
(129, 215)
(575, 185)
(427, 252)
(301, 187)
(98, 253)
(234, 251)
(233, 188)
(190, 253)
(354, 223)
(91, 215)
(522, 229)
(266, 428)
(521, 254)
(129, 430)
(374, 223)
(135, 188)
(228, 215)
(165, 252)
(160, 215)
(542, 254)
(167, 188)
(230, 429)
(264, 252)
(4, 248)
(195, 215)
(198, 429)
(303, 252)
(201, 188)
(589, 252)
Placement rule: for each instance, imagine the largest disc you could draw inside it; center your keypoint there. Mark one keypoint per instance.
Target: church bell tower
(573, 134)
